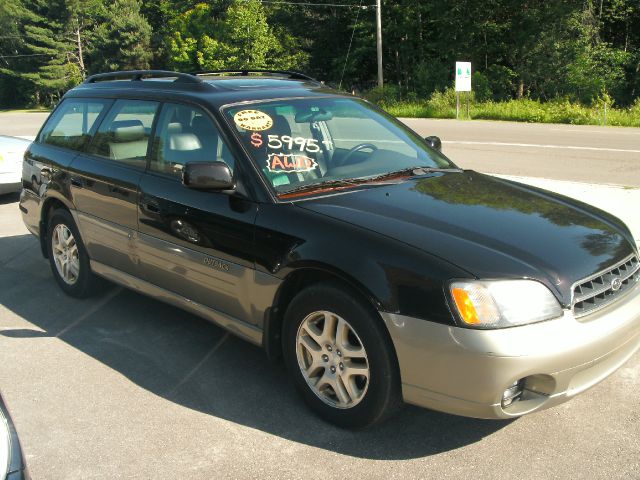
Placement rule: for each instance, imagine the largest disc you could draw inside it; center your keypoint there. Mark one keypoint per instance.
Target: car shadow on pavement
(9, 198)
(193, 363)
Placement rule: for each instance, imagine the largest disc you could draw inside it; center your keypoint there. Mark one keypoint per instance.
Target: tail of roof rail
(137, 75)
(246, 72)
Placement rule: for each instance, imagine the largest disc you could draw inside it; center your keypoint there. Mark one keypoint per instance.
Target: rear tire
(68, 257)
(340, 357)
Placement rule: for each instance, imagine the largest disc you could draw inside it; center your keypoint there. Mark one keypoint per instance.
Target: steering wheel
(357, 148)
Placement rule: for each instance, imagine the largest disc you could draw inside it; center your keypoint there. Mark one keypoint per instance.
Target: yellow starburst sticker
(253, 120)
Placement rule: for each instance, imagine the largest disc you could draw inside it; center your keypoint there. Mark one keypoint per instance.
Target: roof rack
(137, 75)
(246, 72)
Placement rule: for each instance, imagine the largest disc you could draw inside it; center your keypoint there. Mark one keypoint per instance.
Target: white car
(11, 153)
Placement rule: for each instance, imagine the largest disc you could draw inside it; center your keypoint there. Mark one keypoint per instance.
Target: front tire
(340, 357)
(68, 257)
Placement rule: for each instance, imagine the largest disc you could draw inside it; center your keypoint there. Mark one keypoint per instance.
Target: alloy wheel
(332, 359)
(65, 254)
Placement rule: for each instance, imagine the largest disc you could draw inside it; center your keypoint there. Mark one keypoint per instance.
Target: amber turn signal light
(465, 306)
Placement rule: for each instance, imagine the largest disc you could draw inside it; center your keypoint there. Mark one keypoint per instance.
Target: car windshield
(316, 142)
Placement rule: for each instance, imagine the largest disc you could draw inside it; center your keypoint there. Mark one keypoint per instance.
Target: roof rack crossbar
(137, 75)
(245, 73)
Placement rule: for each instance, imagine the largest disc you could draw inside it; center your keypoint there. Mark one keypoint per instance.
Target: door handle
(119, 191)
(152, 207)
(77, 182)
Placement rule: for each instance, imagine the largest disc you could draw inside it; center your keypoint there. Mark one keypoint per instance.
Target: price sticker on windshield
(253, 120)
(290, 163)
(277, 142)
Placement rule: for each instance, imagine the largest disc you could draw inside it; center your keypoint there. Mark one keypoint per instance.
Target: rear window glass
(72, 123)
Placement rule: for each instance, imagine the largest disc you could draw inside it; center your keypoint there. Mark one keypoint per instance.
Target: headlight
(503, 303)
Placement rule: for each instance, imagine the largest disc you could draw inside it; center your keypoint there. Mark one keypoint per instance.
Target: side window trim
(89, 145)
(96, 125)
(151, 149)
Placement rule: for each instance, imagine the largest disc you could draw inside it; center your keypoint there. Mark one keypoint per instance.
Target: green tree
(123, 39)
(12, 90)
(49, 63)
(240, 37)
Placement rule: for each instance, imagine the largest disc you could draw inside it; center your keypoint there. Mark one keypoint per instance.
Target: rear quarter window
(72, 123)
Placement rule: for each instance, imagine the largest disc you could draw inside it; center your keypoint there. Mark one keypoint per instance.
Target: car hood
(487, 226)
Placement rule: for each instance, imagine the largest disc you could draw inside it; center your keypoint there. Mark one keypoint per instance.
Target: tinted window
(70, 126)
(186, 134)
(124, 134)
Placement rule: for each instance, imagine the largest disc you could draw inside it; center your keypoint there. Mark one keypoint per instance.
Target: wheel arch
(49, 205)
(296, 281)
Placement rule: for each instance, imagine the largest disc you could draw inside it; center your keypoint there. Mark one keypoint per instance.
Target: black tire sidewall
(383, 393)
(82, 287)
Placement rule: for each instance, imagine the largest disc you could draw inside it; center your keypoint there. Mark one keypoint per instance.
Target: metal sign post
(379, 40)
(463, 84)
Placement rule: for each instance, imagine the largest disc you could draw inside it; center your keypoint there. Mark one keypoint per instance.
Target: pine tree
(123, 39)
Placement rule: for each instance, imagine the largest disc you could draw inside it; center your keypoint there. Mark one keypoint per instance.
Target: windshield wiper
(337, 183)
(319, 186)
(413, 171)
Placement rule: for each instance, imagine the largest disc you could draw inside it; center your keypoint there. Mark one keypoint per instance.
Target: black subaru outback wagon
(316, 225)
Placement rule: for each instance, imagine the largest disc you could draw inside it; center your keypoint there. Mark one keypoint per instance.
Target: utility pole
(379, 40)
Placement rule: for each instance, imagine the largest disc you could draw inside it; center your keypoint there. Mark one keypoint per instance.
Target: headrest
(281, 125)
(184, 142)
(201, 124)
(174, 127)
(128, 130)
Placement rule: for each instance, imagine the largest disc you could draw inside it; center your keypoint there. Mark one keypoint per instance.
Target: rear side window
(124, 134)
(186, 134)
(71, 125)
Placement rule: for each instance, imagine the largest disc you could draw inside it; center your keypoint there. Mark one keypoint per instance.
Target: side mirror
(208, 176)
(434, 142)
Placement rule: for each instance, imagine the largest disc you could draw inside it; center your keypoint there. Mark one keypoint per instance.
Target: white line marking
(199, 364)
(608, 131)
(91, 311)
(535, 145)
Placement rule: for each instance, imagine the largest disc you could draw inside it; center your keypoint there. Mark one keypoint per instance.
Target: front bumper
(465, 371)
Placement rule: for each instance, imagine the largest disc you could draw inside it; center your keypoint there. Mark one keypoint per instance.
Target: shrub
(502, 81)
(480, 85)
(385, 96)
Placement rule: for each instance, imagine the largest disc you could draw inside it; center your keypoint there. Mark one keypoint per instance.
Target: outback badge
(215, 263)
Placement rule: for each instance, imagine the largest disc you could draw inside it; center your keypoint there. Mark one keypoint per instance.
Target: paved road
(122, 386)
(609, 155)
(21, 123)
(581, 153)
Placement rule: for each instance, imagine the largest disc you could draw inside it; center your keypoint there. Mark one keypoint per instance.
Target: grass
(25, 110)
(524, 110)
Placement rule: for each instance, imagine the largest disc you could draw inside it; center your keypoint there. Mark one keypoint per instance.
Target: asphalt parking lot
(122, 386)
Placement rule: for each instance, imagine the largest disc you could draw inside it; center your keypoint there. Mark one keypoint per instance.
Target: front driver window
(186, 134)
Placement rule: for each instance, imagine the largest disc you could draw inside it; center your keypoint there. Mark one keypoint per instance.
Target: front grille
(601, 289)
